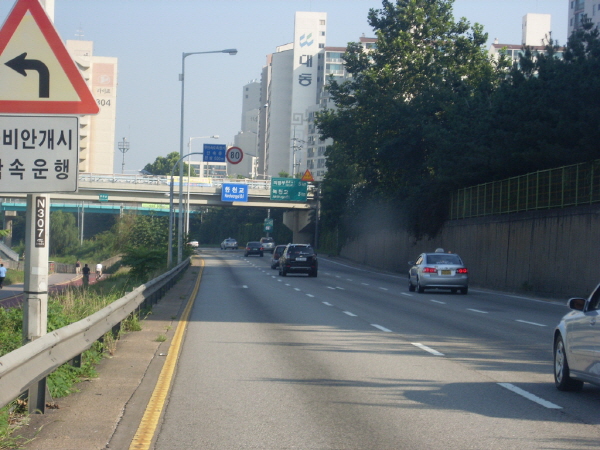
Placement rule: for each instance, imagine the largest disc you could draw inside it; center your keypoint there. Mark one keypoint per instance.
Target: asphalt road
(352, 360)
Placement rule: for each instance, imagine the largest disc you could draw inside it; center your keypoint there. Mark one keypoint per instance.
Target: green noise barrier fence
(577, 184)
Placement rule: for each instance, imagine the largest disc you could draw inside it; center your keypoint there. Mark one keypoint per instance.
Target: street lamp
(231, 51)
(187, 209)
(124, 148)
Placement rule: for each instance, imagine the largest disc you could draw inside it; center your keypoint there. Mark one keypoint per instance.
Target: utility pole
(124, 148)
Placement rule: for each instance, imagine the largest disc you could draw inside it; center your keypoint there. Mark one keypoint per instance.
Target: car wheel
(420, 289)
(411, 288)
(261, 255)
(314, 274)
(562, 376)
(283, 273)
(464, 291)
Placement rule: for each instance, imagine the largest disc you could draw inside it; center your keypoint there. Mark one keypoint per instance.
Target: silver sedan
(438, 270)
(577, 344)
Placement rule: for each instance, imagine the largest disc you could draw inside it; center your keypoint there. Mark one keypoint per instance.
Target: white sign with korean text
(39, 154)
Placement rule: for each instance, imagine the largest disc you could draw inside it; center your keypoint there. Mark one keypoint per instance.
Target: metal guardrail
(577, 184)
(164, 180)
(9, 252)
(26, 368)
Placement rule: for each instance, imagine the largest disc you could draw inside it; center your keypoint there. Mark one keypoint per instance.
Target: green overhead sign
(288, 189)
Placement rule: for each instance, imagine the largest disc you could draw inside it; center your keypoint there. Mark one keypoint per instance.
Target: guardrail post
(76, 361)
(36, 403)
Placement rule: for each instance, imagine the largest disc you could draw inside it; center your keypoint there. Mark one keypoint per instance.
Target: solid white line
(530, 396)
(310, 295)
(327, 303)
(532, 323)
(427, 349)
(477, 311)
(349, 313)
(384, 329)
(437, 301)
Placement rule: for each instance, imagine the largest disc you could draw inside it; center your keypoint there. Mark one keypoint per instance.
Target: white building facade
(583, 10)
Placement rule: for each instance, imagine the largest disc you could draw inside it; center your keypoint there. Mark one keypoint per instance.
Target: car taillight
(429, 270)
(463, 270)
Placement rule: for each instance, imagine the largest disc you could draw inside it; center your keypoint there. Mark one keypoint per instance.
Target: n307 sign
(39, 154)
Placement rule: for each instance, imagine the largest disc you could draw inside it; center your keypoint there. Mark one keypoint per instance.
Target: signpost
(289, 189)
(234, 155)
(268, 225)
(38, 153)
(234, 192)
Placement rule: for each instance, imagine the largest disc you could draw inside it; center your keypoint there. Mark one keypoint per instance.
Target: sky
(149, 37)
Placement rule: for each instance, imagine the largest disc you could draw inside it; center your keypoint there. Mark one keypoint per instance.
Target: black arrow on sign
(20, 65)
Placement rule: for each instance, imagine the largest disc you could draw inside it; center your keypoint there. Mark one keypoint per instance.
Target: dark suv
(298, 258)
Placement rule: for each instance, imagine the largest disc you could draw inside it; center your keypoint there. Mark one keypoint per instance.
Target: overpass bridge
(150, 194)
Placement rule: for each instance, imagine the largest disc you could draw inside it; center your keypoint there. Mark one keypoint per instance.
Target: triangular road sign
(307, 176)
(38, 76)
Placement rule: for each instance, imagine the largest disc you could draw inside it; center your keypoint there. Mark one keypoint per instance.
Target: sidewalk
(106, 412)
(9, 295)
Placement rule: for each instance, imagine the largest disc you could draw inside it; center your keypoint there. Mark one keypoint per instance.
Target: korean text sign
(289, 189)
(39, 153)
(234, 192)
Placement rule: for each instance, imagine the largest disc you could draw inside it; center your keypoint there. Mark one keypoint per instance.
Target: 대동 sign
(234, 192)
(39, 154)
(289, 189)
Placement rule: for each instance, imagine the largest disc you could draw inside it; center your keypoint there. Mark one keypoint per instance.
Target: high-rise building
(581, 11)
(97, 133)
(247, 138)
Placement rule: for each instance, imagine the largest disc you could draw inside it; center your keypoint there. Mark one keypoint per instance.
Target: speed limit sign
(234, 155)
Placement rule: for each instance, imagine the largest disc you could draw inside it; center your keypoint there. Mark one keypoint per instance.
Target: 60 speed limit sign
(234, 155)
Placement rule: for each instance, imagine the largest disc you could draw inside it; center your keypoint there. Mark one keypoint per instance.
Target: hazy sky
(149, 36)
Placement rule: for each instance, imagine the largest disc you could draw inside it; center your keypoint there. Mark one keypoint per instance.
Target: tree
(388, 116)
(164, 166)
(63, 233)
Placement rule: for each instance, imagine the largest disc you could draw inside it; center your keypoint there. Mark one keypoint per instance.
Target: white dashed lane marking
(379, 327)
(532, 323)
(427, 349)
(349, 313)
(477, 311)
(530, 396)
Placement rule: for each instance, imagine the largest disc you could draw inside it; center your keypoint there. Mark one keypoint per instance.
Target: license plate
(446, 272)
(300, 259)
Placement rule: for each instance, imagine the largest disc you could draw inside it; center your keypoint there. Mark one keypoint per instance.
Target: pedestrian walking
(77, 267)
(86, 275)
(98, 271)
(2, 274)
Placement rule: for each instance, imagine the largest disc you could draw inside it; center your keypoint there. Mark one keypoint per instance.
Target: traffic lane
(506, 348)
(299, 374)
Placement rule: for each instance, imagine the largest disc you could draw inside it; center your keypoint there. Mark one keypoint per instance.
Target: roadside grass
(65, 308)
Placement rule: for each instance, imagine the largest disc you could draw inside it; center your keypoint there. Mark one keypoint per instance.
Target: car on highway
(438, 270)
(229, 243)
(193, 244)
(268, 244)
(298, 258)
(577, 344)
(275, 255)
(253, 248)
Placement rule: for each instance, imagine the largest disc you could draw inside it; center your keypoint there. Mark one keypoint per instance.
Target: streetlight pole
(231, 51)
(187, 209)
(124, 148)
(170, 239)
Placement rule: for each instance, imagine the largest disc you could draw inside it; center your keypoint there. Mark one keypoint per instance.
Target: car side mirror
(411, 263)
(577, 304)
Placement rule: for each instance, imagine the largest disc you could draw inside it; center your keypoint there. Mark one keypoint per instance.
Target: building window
(322, 33)
(321, 45)
(320, 163)
(321, 22)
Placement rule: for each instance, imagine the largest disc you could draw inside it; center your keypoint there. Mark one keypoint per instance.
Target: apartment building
(581, 11)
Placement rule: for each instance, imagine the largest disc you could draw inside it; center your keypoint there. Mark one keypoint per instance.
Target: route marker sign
(234, 155)
(38, 74)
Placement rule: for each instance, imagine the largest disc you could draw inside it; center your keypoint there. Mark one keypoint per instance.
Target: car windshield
(267, 240)
(443, 259)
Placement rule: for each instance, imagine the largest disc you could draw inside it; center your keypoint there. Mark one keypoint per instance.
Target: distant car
(193, 243)
(268, 244)
(577, 344)
(298, 258)
(438, 270)
(275, 255)
(253, 248)
(229, 243)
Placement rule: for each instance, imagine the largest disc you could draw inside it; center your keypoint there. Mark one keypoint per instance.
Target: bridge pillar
(299, 222)
(9, 216)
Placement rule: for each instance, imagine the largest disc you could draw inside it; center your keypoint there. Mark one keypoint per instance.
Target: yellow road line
(145, 432)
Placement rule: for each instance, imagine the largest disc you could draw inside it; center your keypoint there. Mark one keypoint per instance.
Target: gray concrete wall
(552, 252)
